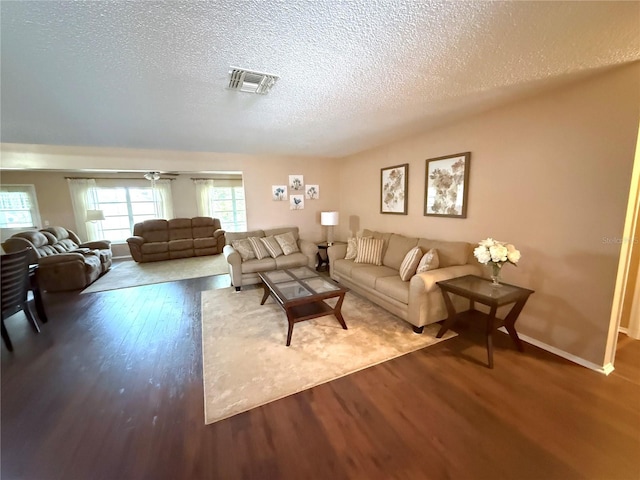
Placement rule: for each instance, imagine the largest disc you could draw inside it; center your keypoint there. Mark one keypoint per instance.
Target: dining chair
(14, 269)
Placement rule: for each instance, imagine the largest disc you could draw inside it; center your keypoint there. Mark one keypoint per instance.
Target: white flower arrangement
(495, 253)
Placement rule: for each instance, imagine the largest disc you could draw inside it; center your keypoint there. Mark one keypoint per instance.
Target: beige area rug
(246, 363)
(132, 274)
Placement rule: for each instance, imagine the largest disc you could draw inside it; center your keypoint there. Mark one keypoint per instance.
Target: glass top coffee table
(301, 293)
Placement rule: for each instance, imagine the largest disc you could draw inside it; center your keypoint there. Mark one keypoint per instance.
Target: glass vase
(496, 269)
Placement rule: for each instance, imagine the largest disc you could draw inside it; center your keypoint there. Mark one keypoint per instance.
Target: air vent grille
(250, 81)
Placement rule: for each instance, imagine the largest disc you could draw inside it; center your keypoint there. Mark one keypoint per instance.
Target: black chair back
(14, 273)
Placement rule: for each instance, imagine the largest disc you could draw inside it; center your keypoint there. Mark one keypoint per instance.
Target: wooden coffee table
(301, 293)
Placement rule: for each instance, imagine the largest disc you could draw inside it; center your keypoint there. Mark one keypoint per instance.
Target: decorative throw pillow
(272, 246)
(410, 263)
(287, 242)
(352, 248)
(429, 261)
(243, 247)
(258, 247)
(369, 251)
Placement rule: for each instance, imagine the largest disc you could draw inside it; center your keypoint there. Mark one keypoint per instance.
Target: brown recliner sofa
(155, 240)
(64, 262)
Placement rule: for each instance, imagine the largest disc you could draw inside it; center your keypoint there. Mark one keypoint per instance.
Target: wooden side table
(481, 290)
(323, 255)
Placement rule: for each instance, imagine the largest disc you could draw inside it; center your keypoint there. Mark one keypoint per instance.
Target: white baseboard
(604, 369)
(623, 330)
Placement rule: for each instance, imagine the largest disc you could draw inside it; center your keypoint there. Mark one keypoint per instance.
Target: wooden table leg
(265, 294)
(290, 330)
(510, 322)
(489, 332)
(451, 315)
(337, 311)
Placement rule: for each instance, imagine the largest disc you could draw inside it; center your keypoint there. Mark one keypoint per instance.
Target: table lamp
(329, 219)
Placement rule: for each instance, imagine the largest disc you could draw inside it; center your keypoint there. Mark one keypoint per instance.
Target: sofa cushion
(394, 287)
(155, 247)
(209, 242)
(397, 249)
(155, 231)
(258, 247)
(272, 246)
(179, 228)
(373, 234)
(203, 227)
(370, 251)
(182, 244)
(346, 267)
(368, 274)
(287, 243)
(410, 263)
(243, 247)
(272, 232)
(297, 259)
(254, 265)
(429, 261)
(229, 237)
(449, 253)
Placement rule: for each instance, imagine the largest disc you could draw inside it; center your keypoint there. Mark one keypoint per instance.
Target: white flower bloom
(498, 253)
(482, 254)
(489, 242)
(513, 255)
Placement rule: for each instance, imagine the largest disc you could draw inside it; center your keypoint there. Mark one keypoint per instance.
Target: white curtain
(163, 199)
(203, 191)
(83, 198)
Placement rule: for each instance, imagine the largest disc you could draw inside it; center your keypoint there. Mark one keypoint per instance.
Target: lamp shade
(95, 215)
(329, 218)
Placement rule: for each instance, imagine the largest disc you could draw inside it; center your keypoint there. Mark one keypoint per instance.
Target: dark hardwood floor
(112, 389)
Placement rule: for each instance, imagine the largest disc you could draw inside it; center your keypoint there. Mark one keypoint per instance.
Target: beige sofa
(64, 262)
(418, 300)
(245, 272)
(160, 239)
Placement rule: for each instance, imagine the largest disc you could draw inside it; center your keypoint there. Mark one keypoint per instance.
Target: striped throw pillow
(369, 251)
(272, 246)
(258, 247)
(429, 261)
(410, 263)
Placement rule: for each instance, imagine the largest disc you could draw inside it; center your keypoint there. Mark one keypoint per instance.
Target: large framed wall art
(394, 189)
(447, 185)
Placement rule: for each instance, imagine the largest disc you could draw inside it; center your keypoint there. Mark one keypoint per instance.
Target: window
(123, 207)
(227, 204)
(223, 198)
(18, 207)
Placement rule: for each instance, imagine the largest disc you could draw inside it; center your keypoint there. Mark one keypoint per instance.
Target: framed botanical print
(447, 185)
(394, 189)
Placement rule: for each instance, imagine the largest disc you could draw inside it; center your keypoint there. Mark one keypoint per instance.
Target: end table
(323, 255)
(481, 290)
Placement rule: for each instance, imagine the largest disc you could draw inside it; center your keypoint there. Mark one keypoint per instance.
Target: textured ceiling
(353, 74)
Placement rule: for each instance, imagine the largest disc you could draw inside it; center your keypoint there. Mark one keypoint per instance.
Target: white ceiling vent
(250, 82)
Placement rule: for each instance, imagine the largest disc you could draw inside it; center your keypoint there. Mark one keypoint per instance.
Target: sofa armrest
(235, 265)
(218, 233)
(426, 282)
(310, 250)
(337, 252)
(135, 240)
(97, 245)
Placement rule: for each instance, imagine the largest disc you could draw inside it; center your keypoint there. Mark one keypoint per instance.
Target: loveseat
(64, 262)
(159, 239)
(264, 250)
(378, 275)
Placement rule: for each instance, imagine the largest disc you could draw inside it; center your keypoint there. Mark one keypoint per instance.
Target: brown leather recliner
(155, 240)
(64, 262)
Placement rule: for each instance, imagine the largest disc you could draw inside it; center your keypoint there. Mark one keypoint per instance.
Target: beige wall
(551, 175)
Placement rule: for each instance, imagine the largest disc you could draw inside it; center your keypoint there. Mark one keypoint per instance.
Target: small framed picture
(312, 192)
(394, 189)
(447, 186)
(296, 202)
(279, 193)
(296, 182)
